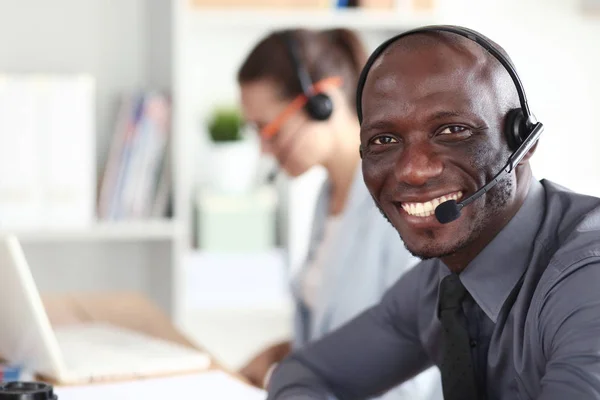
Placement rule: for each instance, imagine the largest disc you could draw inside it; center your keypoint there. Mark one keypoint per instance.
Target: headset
(318, 105)
(521, 128)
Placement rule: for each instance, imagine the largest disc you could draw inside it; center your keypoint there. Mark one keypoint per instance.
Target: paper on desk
(214, 385)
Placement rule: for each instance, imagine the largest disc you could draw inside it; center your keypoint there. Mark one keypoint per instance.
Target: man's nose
(418, 163)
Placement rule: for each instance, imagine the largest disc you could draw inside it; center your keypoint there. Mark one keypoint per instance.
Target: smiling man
(506, 300)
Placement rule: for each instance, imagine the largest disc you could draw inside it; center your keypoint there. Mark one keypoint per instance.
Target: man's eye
(381, 140)
(452, 130)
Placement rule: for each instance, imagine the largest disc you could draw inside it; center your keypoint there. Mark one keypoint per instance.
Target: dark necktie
(458, 376)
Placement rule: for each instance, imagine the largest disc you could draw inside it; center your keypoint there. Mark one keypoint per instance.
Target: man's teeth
(428, 208)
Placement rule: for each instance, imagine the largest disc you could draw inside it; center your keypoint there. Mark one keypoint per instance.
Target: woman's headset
(318, 105)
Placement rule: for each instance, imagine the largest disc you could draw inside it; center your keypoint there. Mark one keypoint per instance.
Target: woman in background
(298, 90)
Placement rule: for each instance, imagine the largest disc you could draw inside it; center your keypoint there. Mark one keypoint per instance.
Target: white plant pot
(233, 166)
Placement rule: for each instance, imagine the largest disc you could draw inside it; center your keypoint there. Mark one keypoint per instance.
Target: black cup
(26, 391)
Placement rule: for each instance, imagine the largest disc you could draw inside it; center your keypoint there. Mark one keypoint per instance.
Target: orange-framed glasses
(269, 130)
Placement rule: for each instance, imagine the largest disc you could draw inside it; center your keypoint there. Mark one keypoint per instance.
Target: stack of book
(136, 182)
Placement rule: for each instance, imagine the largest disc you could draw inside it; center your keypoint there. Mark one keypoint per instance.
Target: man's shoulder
(572, 225)
(570, 236)
(572, 206)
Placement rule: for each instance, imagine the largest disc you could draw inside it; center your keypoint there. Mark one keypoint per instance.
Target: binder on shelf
(47, 151)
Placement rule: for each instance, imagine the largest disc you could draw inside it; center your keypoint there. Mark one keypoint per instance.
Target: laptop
(76, 353)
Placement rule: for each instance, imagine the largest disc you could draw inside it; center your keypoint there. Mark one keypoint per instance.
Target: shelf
(103, 231)
(211, 18)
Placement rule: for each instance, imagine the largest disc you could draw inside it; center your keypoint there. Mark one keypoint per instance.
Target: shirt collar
(495, 271)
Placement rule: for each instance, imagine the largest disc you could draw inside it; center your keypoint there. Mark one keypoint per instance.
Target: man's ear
(525, 160)
(530, 152)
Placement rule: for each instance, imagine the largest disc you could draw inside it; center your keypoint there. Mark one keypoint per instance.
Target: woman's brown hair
(325, 53)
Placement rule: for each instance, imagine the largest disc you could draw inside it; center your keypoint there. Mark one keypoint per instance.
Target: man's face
(432, 131)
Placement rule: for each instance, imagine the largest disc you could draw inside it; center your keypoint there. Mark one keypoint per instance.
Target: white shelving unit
(124, 46)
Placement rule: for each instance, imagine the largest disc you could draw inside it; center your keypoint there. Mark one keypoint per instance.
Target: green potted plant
(234, 155)
(225, 125)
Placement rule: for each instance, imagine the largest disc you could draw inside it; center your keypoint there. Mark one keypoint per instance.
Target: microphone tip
(448, 211)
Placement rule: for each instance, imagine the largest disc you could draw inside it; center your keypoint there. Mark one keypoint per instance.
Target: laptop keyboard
(99, 351)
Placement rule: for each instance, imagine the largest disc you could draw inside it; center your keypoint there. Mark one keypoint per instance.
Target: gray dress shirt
(533, 316)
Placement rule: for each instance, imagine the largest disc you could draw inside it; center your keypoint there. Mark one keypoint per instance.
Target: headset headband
(293, 50)
(464, 32)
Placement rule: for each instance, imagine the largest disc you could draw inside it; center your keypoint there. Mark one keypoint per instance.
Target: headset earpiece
(319, 107)
(515, 128)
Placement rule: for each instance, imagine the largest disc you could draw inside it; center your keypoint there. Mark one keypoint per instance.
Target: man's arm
(372, 353)
(570, 334)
